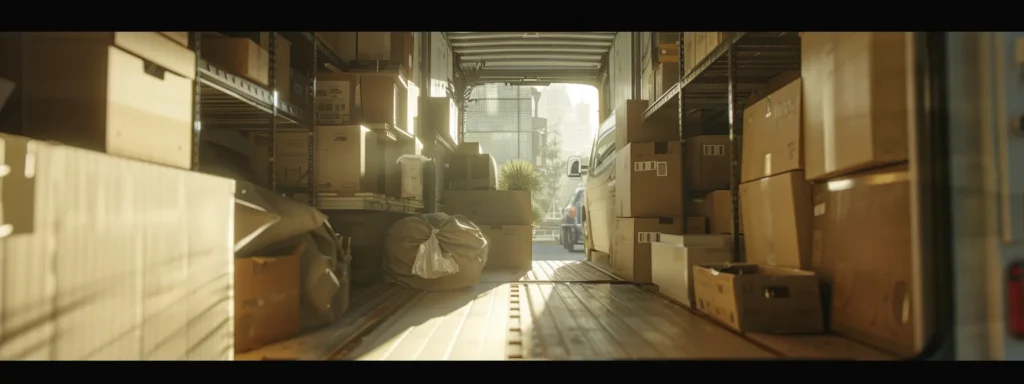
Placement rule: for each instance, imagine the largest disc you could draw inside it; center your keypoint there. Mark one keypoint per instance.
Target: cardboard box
(412, 178)
(759, 298)
(239, 56)
(631, 258)
(855, 109)
(371, 46)
(772, 135)
(696, 225)
(778, 212)
(697, 207)
(509, 246)
(267, 298)
(666, 75)
(471, 172)
(669, 53)
(335, 98)
(630, 126)
(403, 47)
(490, 207)
(346, 159)
(177, 37)
(862, 248)
(106, 258)
(402, 179)
(469, 147)
(107, 101)
(673, 258)
(648, 180)
(282, 64)
(381, 98)
(719, 212)
(440, 116)
(708, 160)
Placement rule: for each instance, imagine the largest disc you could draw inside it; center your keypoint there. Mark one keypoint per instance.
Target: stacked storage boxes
(825, 198)
(648, 189)
(856, 157)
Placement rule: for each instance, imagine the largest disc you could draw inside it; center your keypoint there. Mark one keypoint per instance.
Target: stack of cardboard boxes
(825, 199)
(363, 123)
(648, 189)
(504, 217)
(118, 256)
(699, 45)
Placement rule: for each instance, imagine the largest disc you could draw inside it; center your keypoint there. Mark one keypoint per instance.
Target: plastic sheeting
(414, 260)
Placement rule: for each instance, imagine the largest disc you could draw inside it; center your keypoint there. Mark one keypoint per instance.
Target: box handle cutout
(777, 292)
(153, 70)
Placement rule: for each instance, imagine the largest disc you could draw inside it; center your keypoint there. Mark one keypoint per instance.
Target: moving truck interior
(313, 196)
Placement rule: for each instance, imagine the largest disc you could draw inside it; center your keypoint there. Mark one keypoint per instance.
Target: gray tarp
(458, 239)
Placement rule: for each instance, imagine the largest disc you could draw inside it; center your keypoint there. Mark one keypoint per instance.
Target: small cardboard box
(509, 246)
(673, 258)
(240, 56)
(267, 298)
(758, 298)
(346, 159)
(707, 162)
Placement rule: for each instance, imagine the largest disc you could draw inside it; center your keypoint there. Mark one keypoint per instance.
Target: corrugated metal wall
(620, 67)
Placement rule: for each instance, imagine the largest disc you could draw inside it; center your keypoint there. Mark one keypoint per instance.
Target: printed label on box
(642, 166)
(662, 168)
(333, 102)
(648, 237)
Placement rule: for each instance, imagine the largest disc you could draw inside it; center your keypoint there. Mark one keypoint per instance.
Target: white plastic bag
(432, 262)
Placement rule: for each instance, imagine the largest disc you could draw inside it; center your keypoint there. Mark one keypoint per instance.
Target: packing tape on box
(766, 200)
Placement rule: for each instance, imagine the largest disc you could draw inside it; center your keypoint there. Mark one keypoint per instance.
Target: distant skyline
(582, 93)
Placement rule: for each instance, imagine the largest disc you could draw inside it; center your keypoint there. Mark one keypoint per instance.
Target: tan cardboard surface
(777, 225)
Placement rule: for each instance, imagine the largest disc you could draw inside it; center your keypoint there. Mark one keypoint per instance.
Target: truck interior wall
(620, 69)
(440, 64)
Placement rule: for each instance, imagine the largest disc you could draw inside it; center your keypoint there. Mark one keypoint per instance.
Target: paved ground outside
(546, 248)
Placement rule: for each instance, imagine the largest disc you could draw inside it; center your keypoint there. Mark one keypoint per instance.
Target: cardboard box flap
(295, 218)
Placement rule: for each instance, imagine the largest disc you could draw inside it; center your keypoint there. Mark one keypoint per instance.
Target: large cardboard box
(630, 126)
(106, 258)
(508, 246)
(469, 147)
(267, 298)
(673, 258)
(240, 56)
(708, 160)
(490, 207)
(862, 248)
(855, 109)
(649, 180)
(346, 159)
(631, 256)
(759, 298)
(335, 98)
(772, 135)
(110, 100)
(718, 209)
(777, 220)
(351, 46)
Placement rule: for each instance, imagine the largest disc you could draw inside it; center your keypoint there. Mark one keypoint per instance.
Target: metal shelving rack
(224, 101)
(721, 83)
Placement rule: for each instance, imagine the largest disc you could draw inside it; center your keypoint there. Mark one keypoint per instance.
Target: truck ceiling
(540, 57)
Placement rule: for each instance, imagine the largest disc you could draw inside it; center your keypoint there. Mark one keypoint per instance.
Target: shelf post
(197, 126)
(735, 137)
(682, 111)
(272, 85)
(311, 104)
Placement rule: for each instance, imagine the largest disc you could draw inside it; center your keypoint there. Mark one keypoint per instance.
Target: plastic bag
(432, 262)
(456, 240)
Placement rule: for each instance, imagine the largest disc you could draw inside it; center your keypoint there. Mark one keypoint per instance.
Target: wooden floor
(368, 308)
(552, 271)
(561, 310)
